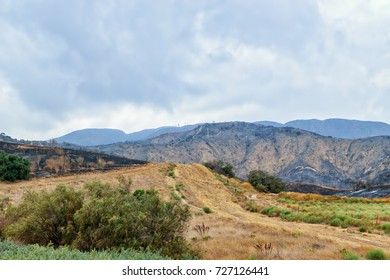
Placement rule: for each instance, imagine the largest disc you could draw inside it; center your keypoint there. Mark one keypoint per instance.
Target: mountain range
(292, 154)
(339, 128)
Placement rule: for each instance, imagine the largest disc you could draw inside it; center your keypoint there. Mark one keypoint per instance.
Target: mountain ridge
(292, 154)
(335, 127)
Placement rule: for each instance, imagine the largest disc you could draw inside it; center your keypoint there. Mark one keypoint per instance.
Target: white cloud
(381, 79)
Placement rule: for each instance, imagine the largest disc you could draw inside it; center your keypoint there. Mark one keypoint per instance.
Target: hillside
(292, 154)
(56, 160)
(233, 232)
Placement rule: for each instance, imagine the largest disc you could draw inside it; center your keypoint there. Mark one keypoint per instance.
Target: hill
(102, 136)
(292, 154)
(234, 229)
(93, 136)
(56, 160)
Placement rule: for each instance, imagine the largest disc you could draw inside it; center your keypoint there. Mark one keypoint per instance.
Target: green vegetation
(386, 228)
(375, 254)
(12, 251)
(349, 255)
(13, 167)
(101, 217)
(366, 215)
(264, 182)
(46, 217)
(207, 210)
(220, 167)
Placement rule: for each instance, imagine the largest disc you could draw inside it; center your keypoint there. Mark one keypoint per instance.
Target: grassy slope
(234, 233)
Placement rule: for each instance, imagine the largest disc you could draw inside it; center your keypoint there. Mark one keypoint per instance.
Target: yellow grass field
(230, 231)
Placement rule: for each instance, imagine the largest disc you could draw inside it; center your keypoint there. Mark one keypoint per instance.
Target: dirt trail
(214, 194)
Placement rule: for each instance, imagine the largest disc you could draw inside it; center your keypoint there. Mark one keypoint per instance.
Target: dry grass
(233, 232)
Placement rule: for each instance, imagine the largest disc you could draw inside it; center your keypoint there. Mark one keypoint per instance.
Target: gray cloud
(64, 62)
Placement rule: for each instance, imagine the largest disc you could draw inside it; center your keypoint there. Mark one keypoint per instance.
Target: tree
(262, 181)
(13, 167)
(220, 167)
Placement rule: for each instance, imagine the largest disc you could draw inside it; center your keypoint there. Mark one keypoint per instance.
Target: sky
(72, 64)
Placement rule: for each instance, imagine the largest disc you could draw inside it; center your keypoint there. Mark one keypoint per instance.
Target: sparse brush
(264, 248)
(202, 229)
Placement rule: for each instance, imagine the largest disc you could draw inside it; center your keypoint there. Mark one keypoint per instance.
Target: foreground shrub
(101, 217)
(264, 182)
(45, 217)
(115, 218)
(13, 167)
(375, 254)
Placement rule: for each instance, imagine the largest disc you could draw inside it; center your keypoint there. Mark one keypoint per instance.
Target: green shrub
(351, 256)
(271, 211)
(375, 254)
(386, 228)
(336, 222)
(311, 219)
(207, 210)
(101, 218)
(221, 167)
(114, 218)
(46, 217)
(264, 182)
(362, 229)
(13, 167)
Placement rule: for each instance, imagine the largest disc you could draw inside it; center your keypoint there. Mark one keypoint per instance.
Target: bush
(375, 254)
(101, 218)
(115, 218)
(351, 256)
(264, 182)
(386, 228)
(46, 217)
(336, 222)
(13, 167)
(221, 167)
(207, 210)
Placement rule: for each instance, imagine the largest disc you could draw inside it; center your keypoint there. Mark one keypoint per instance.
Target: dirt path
(209, 192)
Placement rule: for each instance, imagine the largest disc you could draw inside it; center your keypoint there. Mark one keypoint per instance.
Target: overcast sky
(73, 64)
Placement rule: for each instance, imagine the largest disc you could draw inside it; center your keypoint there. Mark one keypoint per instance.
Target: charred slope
(292, 154)
(56, 160)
